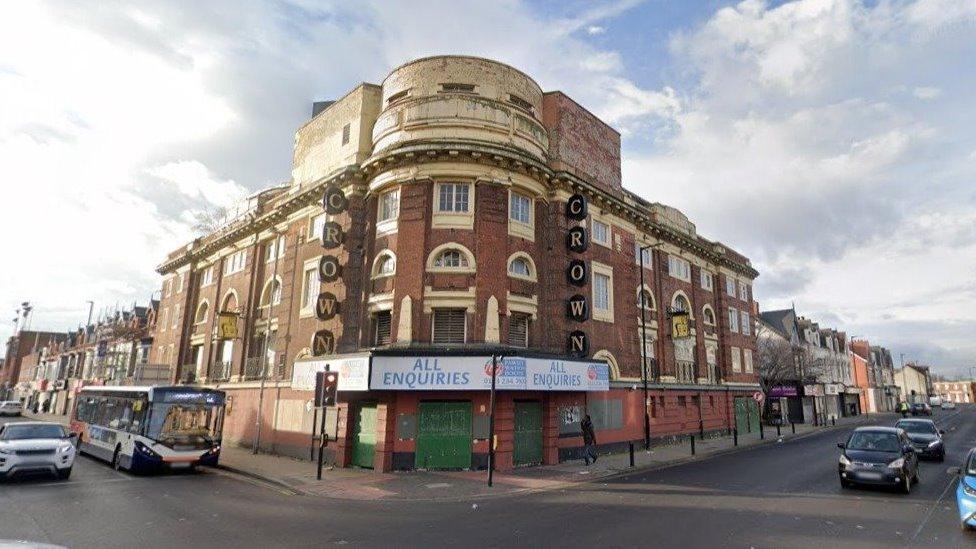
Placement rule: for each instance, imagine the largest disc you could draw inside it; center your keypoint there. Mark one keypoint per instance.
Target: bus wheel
(117, 459)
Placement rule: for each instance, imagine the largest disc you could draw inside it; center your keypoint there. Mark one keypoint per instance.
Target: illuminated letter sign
(576, 272)
(326, 306)
(576, 240)
(576, 207)
(332, 235)
(329, 269)
(334, 201)
(577, 308)
(323, 343)
(578, 344)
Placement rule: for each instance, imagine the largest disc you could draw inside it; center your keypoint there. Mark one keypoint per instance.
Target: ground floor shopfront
(389, 420)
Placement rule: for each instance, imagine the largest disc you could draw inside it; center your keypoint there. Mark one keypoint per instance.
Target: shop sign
(353, 373)
(576, 240)
(323, 343)
(334, 201)
(326, 306)
(227, 326)
(577, 308)
(783, 391)
(680, 327)
(329, 268)
(577, 274)
(473, 373)
(576, 207)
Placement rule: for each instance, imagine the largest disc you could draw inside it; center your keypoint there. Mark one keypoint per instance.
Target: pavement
(300, 476)
(766, 495)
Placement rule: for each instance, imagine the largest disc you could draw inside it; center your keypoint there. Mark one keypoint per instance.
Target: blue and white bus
(146, 429)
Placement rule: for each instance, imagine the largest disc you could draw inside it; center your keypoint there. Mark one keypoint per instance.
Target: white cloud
(926, 92)
(593, 30)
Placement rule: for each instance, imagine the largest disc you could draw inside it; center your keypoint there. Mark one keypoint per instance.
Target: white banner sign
(353, 373)
(459, 373)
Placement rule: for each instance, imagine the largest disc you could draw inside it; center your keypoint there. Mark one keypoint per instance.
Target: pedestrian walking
(903, 408)
(589, 440)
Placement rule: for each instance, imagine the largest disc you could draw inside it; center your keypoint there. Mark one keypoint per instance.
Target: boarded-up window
(518, 330)
(449, 326)
(381, 328)
(606, 414)
(345, 134)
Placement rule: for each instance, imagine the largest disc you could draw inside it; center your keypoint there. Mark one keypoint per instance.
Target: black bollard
(632, 454)
(777, 430)
(793, 426)
(833, 421)
(735, 436)
(692, 437)
(762, 434)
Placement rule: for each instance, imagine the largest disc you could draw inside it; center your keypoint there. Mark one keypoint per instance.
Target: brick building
(960, 392)
(20, 346)
(453, 213)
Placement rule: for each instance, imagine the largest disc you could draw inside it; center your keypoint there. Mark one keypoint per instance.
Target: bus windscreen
(185, 426)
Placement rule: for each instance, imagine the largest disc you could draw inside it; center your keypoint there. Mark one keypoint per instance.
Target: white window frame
(705, 316)
(743, 291)
(652, 306)
(310, 266)
(736, 359)
(709, 277)
(207, 278)
(518, 227)
(744, 322)
(730, 286)
(453, 219)
(733, 320)
(271, 298)
(597, 268)
(378, 262)
(646, 252)
(606, 242)
(472, 266)
(679, 268)
(176, 316)
(532, 276)
(747, 360)
(387, 224)
(274, 249)
(206, 313)
(316, 225)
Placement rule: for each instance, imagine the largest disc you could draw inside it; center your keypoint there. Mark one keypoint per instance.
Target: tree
(777, 357)
(208, 220)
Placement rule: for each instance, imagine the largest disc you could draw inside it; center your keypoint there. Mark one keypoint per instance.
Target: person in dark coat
(589, 440)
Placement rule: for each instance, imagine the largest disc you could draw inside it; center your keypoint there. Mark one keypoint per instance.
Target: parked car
(879, 456)
(11, 408)
(948, 405)
(935, 401)
(34, 447)
(966, 491)
(925, 437)
(921, 409)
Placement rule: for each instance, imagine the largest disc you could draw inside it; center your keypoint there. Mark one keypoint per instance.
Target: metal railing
(221, 371)
(255, 368)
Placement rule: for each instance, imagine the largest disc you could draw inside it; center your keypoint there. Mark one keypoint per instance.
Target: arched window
(384, 264)
(230, 302)
(451, 257)
(680, 303)
(708, 315)
(271, 293)
(614, 369)
(645, 299)
(520, 265)
(202, 309)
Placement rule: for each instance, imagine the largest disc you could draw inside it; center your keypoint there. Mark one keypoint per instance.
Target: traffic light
(327, 384)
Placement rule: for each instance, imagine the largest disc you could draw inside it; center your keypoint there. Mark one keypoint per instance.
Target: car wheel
(915, 479)
(117, 459)
(64, 474)
(846, 484)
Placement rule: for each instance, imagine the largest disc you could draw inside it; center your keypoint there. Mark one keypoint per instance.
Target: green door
(444, 435)
(742, 415)
(528, 433)
(364, 436)
(754, 415)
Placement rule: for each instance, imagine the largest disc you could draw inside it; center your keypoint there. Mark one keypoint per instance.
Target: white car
(11, 408)
(947, 405)
(36, 447)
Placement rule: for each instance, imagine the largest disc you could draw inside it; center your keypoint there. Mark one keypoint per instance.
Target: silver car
(11, 408)
(36, 447)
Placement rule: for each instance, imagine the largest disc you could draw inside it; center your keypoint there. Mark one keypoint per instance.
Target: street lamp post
(267, 336)
(643, 319)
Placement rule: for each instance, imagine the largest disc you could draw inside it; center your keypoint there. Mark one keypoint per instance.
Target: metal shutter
(381, 323)
(449, 325)
(518, 330)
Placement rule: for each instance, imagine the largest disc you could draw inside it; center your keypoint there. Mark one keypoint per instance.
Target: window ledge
(524, 230)
(452, 270)
(386, 227)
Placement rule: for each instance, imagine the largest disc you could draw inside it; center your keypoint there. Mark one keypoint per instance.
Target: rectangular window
(518, 330)
(601, 292)
(167, 287)
(601, 232)
(382, 322)
(235, 262)
(389, 205)
(730, 286)
(316, 226)
(449, 326)
(165, 321)
(747, 359)
(272, 252)
(743, 291)
(706, 280)
(176, 316)
(311, 286)
(646, 253)
(453, 197)
(679, 268)
(181, 279)
(520, 208)
(746, 329)
(457, 88)
(733, 320)
(207, 278)
(736, 360)
(345, 134)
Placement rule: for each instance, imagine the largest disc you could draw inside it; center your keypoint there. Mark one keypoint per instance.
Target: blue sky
(829, 140)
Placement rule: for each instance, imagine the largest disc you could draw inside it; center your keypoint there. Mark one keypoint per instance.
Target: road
(782, 495)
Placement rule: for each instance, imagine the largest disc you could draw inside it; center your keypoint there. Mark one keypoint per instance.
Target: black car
(921, 409)
(879, 456)
(925, 437)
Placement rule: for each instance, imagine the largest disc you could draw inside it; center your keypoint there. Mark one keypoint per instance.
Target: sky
(831, 141)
